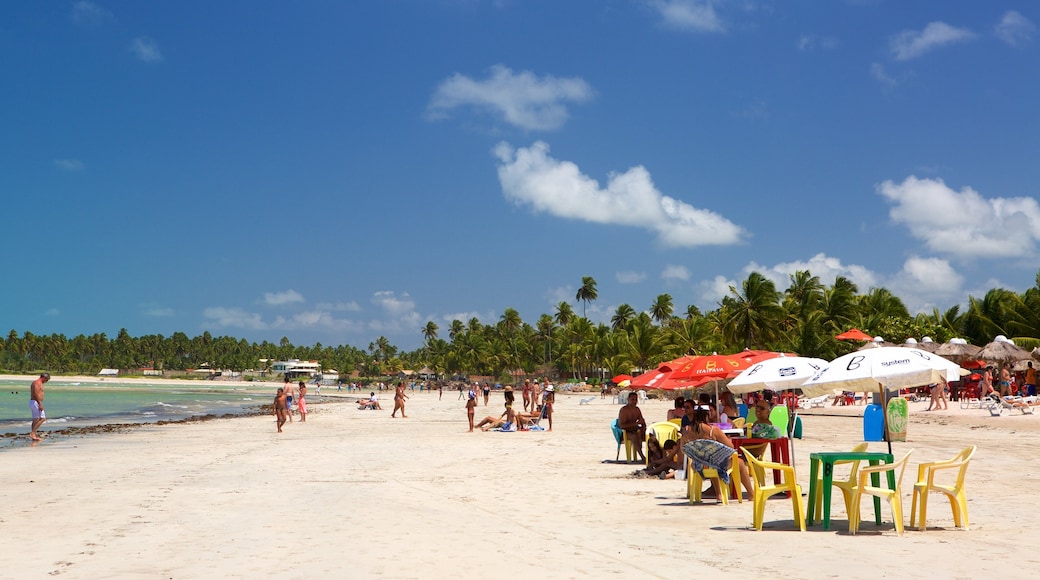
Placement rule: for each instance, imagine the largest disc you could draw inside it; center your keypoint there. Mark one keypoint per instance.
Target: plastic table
(828, 459)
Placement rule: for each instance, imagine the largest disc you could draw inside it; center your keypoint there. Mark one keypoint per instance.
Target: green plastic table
(828, 459)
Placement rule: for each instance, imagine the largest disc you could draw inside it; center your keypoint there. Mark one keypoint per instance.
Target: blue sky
(336, 171)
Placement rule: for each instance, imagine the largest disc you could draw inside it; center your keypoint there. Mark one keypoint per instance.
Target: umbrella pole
(884, 416)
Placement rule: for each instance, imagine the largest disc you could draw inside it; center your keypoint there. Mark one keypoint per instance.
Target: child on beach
(302, 405)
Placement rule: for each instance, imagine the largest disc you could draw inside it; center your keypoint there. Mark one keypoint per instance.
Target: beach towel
(709, 453)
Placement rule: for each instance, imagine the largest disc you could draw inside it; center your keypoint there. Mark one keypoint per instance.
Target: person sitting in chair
(671, 460)
(631, 421)
(763, 428)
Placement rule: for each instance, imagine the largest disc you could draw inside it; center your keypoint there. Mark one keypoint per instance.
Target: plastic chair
(738, 423)
(622, 439)
(893, 496)
(845, 485)
(695, 483)
(955, 493)
(677, 421)
(763, 490)
(780, 418)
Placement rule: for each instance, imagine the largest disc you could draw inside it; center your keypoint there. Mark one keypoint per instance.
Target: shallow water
(74, 404)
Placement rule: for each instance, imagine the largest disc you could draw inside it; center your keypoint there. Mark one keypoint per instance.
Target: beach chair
(622, 439)
(926, 473)
(893, 496)
(695, 483)
(763, 490)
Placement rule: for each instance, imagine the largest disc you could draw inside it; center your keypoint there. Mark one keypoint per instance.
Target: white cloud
(158, 312)
(392, 304)
(826, 268)
(696, 15)
(1014, 29)
(529, 176)
(926, 283)
(877, 71)
(630, 277)
(524, 100)
(146, 49)
(672, 273)
(282, 298)
(463, 317)
(233, 318)
(560, 294)
(712, 291)
(339, 306)
(69, 164)
(810, 42)
(89, 13)
(964, 224)
(910, 44)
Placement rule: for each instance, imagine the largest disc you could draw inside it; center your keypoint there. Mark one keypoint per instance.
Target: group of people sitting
(702, 438)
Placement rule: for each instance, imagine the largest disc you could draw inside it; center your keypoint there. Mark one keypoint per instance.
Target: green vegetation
(803, 319)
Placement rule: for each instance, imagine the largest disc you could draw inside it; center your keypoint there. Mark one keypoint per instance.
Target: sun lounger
(586, 400)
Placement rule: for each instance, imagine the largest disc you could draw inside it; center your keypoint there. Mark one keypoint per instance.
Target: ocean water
(86, 404)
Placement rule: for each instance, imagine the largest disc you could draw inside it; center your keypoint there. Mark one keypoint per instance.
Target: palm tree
(622, 316)
(753, 314)
(661, 310)
(430, 330)
(587, 293)
(456, 329)
(564, 314)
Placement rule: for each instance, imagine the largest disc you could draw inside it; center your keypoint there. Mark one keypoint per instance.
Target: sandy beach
(358, 494)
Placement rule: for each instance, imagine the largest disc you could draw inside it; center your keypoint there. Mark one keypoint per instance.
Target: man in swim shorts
(36, 405)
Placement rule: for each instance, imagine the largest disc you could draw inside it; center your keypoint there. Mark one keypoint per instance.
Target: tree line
(803, 318)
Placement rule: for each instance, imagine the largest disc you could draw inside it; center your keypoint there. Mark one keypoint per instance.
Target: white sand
(357, 494)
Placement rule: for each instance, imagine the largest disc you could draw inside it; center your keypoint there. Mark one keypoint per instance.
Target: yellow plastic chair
(677, 421)
(695, 483)
(738, 423)
(764, 489)
(893, 496)
(664, 430)
(845, 485)
(955, 493)
(630, 446)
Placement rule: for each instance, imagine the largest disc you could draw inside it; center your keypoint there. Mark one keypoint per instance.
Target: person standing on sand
(399, 398)
(1030, 381)
(303, 404)
(440, 391)
(279, 408)
(526, 392)
(547, 403)
(471, 406)
(36, 405)
(487, 393)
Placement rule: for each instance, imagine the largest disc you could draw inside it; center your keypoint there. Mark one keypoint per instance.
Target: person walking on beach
(279, 408)
(526, 392)
(487, 393)
(548, 399)
(302, 404)
(289, 390)
(36, 405)
(399, 398)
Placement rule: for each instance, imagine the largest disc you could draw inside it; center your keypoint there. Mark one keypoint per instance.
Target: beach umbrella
(649, 380)
(957, 350)
(877, 370)
(854, 334)
(1002, 351)
(619, 378)
(776, 374)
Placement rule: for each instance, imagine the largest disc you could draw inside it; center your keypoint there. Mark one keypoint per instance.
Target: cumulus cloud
(84, 12)
(69, 164)
(393, 304)
(825, 267)
(529, 176)
(927, 283)
(964, 224)
(630, 277)
(560, 294)
(910, 44)
(282, 298)
(146, 49)
(712, 291)
(1014, 29)
(222, 317)
(673, 273)
(695, 15)
(523, 100)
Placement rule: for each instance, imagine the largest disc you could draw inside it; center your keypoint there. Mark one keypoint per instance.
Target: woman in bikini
(399, 398)
(701, 439)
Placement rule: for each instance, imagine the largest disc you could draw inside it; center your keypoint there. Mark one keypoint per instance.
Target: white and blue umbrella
(776, 374)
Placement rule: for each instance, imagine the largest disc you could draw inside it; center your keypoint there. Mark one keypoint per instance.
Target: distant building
(297, 368)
